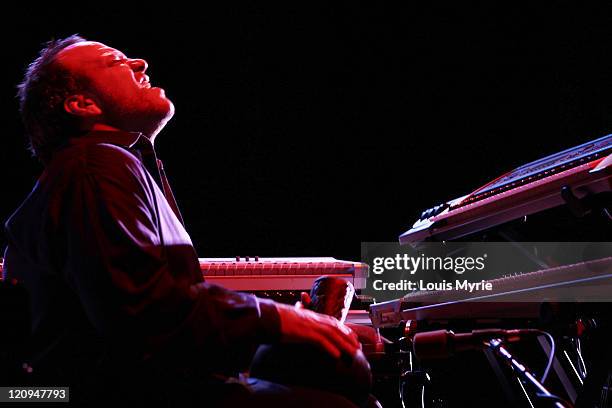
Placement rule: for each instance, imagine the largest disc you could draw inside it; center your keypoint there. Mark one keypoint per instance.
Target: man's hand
(304, 326)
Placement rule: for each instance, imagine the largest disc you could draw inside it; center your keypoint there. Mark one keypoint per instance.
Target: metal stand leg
(541, 393)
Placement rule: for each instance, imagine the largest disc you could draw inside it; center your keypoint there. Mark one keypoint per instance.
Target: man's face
(119, 86)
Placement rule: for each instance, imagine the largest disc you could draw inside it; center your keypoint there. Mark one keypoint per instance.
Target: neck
(104, 127)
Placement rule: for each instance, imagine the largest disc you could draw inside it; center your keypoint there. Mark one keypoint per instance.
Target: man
(117, 296)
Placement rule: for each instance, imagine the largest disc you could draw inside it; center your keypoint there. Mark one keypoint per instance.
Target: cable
(401, 390)
(551, 355)
(583, 369)
(556, 399)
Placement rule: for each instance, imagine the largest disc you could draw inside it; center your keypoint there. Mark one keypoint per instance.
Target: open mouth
(144, 82)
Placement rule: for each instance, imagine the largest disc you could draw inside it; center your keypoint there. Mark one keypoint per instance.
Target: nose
(139, 65)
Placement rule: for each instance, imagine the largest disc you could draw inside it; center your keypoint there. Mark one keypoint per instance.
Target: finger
(342, 341)
(346, 330)
(327, 345)
(347, 345)
(331, 329)
(345, 333)
(351, 336)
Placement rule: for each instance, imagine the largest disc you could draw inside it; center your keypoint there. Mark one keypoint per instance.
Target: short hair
(45, 87)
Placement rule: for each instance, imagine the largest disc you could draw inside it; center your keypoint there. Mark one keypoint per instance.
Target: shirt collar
(117, 137)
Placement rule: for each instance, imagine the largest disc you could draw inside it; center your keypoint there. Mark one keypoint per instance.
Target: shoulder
(102, 169)
(98, 160)
(108, 157)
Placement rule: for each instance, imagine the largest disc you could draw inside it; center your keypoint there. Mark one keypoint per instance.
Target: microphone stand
(497, 347)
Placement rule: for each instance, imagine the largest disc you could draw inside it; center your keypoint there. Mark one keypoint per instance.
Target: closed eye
(119, 61)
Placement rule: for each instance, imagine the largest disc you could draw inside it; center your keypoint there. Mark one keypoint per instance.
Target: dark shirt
(112, 272)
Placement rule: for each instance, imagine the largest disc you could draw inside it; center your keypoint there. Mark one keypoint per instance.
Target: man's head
(76, 85)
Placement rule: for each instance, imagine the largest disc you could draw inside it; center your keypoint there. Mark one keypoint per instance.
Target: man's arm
(118, 266)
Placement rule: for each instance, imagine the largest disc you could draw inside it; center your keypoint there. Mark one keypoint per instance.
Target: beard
(147, 112)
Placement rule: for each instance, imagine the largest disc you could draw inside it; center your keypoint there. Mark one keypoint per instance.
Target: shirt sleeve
(117, 263)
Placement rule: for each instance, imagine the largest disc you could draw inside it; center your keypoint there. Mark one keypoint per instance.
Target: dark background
(304, 130)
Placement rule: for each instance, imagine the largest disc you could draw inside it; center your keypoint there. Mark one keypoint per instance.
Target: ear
(81, 105)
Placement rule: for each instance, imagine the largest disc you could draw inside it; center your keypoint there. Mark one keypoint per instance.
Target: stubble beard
(142, 116)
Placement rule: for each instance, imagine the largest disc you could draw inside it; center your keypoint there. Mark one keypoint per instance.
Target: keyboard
(253, 274)
(516, 296)
(566, 176)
